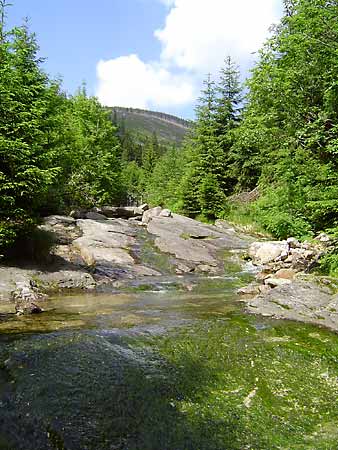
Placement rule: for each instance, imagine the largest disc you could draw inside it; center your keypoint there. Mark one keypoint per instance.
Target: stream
(164, 368)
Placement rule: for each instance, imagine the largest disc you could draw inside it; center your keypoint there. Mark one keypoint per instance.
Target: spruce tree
(227, 116)
(206, 159)
(27, 111)
(289, 137)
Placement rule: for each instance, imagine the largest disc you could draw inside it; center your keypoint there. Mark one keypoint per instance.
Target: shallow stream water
(164, 368)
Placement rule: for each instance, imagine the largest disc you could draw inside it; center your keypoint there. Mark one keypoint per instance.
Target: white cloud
(196, 38)
(128, 81)
(199, 34)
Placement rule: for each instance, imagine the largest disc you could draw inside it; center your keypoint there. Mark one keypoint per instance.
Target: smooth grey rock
(104, 243)
(66, 279)
(266, 252)
(300, 300)
(165, 213)
(192, 241)
(54, 220)
(95, 216)
(150, 214)
(62, 229)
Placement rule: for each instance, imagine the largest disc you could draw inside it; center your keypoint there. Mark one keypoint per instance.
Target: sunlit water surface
(165, 369)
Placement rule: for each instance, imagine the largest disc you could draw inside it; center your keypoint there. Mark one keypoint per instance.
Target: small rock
(78, 213)
(251, 289)
(206, 268)
(323, 237)
(264, 288)
(183, 268)
(293, 242)
(287, 274)
(309, 254)
(166, 213)
(273, 282)
(261, 276)
(144, 207)
(306, 245)
(265, 252)
(25, 295)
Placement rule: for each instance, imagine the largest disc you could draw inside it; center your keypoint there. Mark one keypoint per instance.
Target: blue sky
(145, 53)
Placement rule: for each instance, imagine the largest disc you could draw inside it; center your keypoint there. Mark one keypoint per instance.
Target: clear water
(165, 369)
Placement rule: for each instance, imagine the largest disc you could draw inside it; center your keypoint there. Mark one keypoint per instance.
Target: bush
(329, 264)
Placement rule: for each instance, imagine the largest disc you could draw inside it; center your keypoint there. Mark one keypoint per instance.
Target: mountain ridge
(168, 128)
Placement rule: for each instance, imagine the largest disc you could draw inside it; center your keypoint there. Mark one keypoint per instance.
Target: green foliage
(329, 264)
(163, 188)
(89, 153)
(55, 152)
(133, 179)
(27, 114)
(211, 197)
(150, 154)
(288, 139)
(208, 178)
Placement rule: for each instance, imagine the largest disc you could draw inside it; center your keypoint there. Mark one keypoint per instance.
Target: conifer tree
(205, 156)
(28, 106)
(289, 137)
(227, 116)
(150, 154)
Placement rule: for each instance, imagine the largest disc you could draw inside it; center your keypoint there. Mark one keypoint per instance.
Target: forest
(277, 134)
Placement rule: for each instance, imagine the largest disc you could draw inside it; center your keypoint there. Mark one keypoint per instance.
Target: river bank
(114, 249)
(159, 352)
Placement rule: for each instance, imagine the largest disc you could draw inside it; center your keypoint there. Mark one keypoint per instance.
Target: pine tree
(229, 98)
(227, 116)
(150, 154)
(288, 140)
(28, 106)
(206, 158)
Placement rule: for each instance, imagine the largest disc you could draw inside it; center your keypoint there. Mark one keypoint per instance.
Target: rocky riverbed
(144, 344)
(101, 252)
(284, 287)
(107, 249)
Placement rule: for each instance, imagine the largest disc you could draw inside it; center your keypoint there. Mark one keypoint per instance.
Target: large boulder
(62, 229)
(299, 300)
(105, 243)
(65, 279)
(119, 212)
(198, 245)
(150, 214)
(95, 216)
(266, 252)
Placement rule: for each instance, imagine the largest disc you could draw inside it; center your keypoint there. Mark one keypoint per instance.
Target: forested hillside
(169, 129)
(59, 152)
